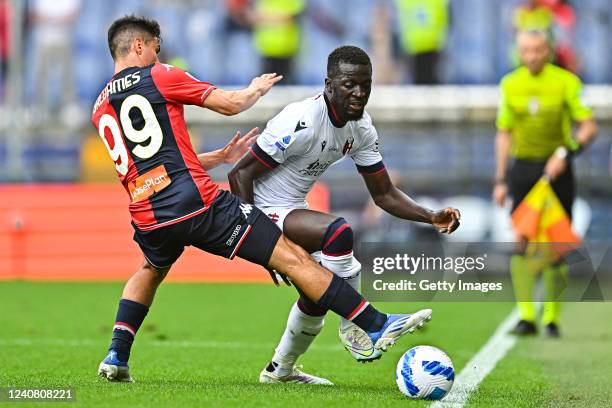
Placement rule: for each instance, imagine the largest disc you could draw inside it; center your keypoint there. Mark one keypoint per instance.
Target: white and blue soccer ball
(425, 372)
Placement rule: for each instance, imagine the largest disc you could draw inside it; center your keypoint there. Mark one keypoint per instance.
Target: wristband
(561, 152)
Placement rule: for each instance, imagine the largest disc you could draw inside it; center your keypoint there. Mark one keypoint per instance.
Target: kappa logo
(246, 209)
(235, 233)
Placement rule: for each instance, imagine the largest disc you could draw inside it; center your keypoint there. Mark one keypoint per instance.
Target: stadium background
(437, 140)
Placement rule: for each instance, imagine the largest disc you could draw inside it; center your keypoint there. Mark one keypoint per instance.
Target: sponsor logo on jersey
(246, 209)
(348, 145)
(235, 233)
(274, 217)
(323, 143)
(145, 185)
(315, 169)
(284, 143)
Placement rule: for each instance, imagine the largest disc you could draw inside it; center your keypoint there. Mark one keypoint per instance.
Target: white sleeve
(285, 135)
(367, 153)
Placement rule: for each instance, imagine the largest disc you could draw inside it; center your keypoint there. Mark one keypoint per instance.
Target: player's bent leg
(306, 319)
(143, 284)
(322, 287)
(337, 256)
(332, 292)
(133, 307)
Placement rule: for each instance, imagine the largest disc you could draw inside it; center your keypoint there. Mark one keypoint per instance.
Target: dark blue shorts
(524, 175)
(230, 227)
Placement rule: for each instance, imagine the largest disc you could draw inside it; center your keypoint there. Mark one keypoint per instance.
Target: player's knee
(157, 273)
(295, 256)
(338, 239)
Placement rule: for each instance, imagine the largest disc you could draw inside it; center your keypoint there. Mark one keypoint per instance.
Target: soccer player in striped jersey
(297, 146)
(174, 203)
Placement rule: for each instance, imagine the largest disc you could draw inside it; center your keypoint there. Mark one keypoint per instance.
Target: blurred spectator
(5, 42)
(533, 15)
(385, 71)
(52, 23)
(277, 35)
(237, 42)
(557, 18)
(424, 29)
(563, 31)
(239, 15)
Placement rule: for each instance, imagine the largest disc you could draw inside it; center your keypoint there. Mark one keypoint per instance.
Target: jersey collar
(332, 114)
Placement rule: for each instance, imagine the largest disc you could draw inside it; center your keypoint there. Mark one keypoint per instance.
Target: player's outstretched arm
(234, 150)
(243, 174)
(395, 202)
(233, 102)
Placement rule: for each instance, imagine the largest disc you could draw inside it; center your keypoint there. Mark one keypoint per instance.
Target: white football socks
(300, 333)
(301, 328)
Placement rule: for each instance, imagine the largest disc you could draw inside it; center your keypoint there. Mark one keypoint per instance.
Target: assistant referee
(539, 104)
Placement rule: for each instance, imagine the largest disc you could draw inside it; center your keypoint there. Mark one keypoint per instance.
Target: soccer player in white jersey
(297, 146)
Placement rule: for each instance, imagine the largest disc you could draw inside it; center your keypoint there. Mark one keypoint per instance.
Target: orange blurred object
(82, 232)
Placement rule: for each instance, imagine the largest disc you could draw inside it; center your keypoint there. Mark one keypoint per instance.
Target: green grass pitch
(204, 345)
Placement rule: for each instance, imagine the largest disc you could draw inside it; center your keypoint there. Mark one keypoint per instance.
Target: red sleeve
(178, 86)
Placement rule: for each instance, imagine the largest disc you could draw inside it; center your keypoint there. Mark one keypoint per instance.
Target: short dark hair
(123, 30)
(347, 54)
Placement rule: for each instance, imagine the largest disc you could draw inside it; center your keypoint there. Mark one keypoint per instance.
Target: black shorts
(524, 174)
(228, 228)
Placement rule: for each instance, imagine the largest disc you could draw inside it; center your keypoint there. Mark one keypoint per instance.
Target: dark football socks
(345, 301)
(129, 318)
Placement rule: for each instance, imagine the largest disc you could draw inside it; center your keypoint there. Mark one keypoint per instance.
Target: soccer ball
(425, 372)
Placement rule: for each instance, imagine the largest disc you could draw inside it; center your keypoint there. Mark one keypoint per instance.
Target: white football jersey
(300, 143)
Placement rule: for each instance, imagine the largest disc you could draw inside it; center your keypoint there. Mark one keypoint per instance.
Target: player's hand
(555, 166)
(446, 220)
(500, 191)
(238, 146)
(264, 82)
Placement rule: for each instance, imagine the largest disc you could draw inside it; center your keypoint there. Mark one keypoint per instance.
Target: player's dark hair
(123, 30)
(347, 54)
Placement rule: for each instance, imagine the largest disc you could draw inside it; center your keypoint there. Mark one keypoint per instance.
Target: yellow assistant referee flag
(541, 218)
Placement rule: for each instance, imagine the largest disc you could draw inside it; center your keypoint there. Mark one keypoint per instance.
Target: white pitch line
(480, 365)
(26, 342)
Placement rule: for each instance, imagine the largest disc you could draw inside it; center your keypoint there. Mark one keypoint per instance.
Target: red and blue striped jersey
(139, 116)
